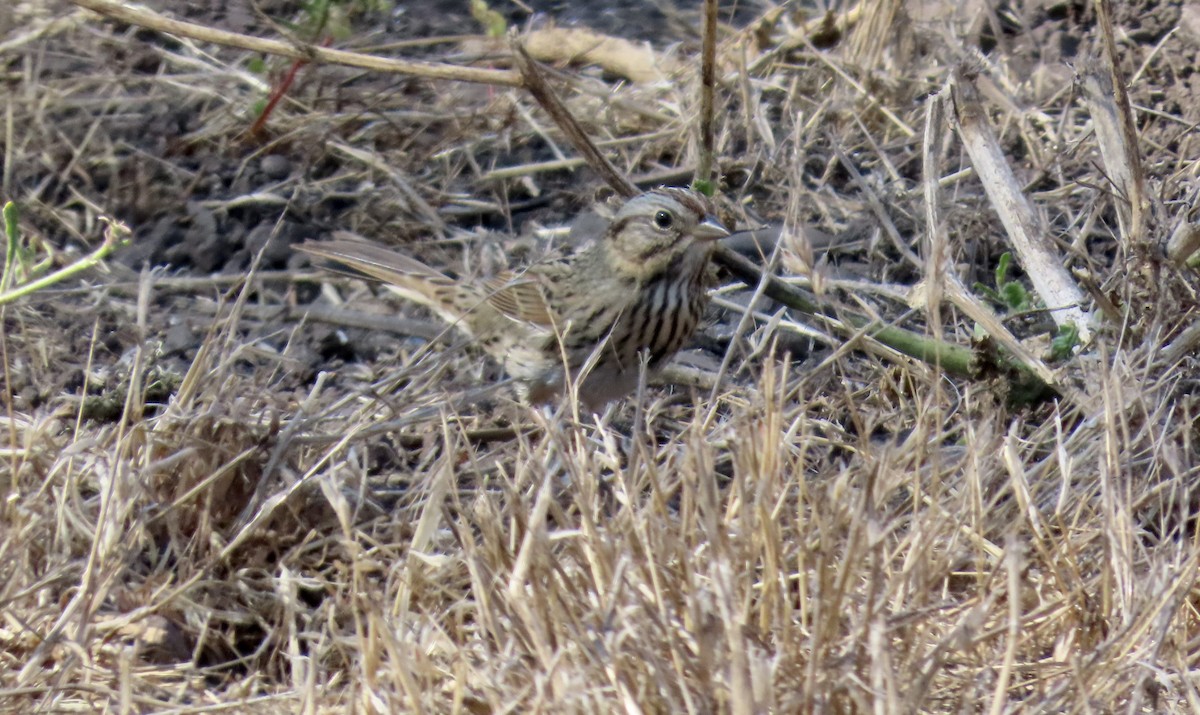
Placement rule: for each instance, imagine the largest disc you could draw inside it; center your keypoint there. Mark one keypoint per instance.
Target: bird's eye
(663, 220)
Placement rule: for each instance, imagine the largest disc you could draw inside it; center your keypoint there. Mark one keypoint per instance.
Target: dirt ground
(236, 482)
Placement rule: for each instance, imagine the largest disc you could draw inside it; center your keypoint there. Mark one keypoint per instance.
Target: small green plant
(492, 21)
(322, 22)
(1063, 345)
(1009, 294)
(1014, 298)
(20, 264)
(323, 18)
(18, 279)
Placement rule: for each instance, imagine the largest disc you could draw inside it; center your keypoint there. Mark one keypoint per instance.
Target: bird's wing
(520, 298)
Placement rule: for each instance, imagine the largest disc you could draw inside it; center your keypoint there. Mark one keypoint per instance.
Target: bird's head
(660, 230)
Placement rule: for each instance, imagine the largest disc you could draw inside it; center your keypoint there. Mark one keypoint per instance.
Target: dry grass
(196, 520)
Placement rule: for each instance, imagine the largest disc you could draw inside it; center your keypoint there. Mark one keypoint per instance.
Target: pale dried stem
(1118, 144)
(143, 17)
(1120, 156)
(1029, 235)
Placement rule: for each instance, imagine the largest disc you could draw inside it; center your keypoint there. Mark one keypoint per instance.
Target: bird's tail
(406, 276)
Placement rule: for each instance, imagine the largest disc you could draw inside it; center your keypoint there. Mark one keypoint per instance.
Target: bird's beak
(710, 229)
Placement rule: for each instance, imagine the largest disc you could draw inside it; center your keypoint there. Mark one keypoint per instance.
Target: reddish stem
(280, 90)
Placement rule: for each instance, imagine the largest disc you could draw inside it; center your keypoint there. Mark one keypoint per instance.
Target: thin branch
(708, 82)
(536, 84)
(309, 53)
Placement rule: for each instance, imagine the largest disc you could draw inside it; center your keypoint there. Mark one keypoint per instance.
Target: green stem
(954, 359)
(12, 238)
(112, 237)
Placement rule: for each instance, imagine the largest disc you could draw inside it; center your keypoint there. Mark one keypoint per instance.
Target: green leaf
(1002, 269)
(1063, 345)
(1015, 297)
(493, 22)
(988, 293)
(337, 24)
(704, 186)
(316, 9)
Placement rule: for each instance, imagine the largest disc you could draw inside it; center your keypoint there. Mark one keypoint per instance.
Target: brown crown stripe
(690, 199)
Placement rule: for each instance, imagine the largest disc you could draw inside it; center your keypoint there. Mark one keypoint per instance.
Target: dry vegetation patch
(234, 483)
